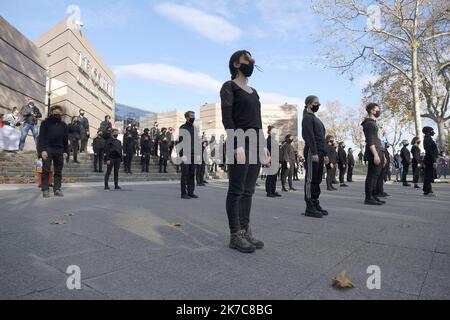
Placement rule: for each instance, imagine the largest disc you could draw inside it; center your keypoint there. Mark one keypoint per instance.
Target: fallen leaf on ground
(175, 225)
(342, 281)
(403, 226)
(59, 222)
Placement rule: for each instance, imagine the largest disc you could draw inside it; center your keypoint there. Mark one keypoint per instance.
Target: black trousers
(128, 161)
(271, 183)
(405, 173)
(200, 173)
(416, 173)
(428, 176)
(75, 147)
(242, 183)
(84, 140)
(98, 159)
(114, 163)
(162, 163)
(313, 178)
(331, 173)
(57, 158)
(350, 173)
(286, 173)
(342, 170)
(187, 178)
(373, 172)
(145, 162)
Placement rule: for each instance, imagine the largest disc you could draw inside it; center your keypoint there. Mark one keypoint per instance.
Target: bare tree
(365, 34)
(335, 120)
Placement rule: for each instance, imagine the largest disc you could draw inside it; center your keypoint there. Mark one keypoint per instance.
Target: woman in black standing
(241, 109)
(129, 149)
(415, 152)
(74, 130)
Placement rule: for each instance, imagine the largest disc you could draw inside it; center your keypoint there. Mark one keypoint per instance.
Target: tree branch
(437, 35)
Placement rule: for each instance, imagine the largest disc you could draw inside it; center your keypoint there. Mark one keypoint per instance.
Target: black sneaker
(185, 196)
(107, 188)
(239, 243)
(407, 185)
(45, 194)
(193, 196)
(58, 193)
(117, 188)
(284, 189)
(312, 212)
(292, 189)
(379, 200)
(276, 194)
(319, 208)
(271, 195)
(344, 185)
(416, 186)
(249, 237)
(372, 202)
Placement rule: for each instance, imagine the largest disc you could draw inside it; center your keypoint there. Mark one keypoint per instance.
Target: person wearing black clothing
(146, 150)
(113, 155)
(271, 179)
(429, 161)
(373, 153)
(379, 189)
(85, 130)
(331, 166)
(135, 134)
(287, 158)
(342, 163)
(30, 115)
(406, 161)
(105, 125)
(351, 165)
(154, 136)
(297, 161)
(200, 168)
(98, 145)
(75, 130)
(129, 149)
(53, 145)
(316, 155)
(241, 109)
(163, 155)
(360, 157)
(188, 165)
(415, 152)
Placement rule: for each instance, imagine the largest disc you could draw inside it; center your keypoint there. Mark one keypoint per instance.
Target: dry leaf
(342, 281)
(175, 225)
(403, 226)
(59, 222)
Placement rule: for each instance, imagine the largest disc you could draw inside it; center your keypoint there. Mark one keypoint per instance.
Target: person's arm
(227, 101)
(38, 113)
(308, 135)
(66, 140)
(43, 141)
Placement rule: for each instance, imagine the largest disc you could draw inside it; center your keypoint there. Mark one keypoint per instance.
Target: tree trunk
(416, 97)
(441, 134)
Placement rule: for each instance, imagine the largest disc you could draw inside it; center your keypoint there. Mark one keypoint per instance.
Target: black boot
(372, 202)
(249, 237)
(311, 211)
(379, 200)
(319, 208)
(238, 242)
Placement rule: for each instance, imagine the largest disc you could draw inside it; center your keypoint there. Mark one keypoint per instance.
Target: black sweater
(370, 129)
(431, 150)
(53, 136)
(332, 154)
(240, 109)
(188, 127)
(406, 156)
(113, 149)
(342, 157)
(313, 132)
(98, 144)
(415, 151)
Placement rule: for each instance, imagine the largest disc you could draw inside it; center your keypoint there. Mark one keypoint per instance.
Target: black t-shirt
(240, 109)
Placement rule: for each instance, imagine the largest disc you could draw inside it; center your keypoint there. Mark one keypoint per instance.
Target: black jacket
(113, 149)
(74, 131)
(342, 157)
(406, 156)
(415, 152)
(370, 129)
(53, 136)
(30, 114)
(164, 150)
(332, 154)
(146, 145)
(129, 143)
(189, 127)
(313, 132)
(287, 153)
(98, 144)
(350, 159)
(431, 150)
(105, 125)
(85, 124)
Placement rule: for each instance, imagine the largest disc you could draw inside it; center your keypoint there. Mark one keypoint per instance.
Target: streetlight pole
(49, 75)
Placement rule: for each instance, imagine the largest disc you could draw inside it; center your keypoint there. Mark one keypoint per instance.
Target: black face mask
(377, 114)
(315, 108)
(115, 135)
(191, 120)
(432, 134)
(247, 69)
(57, 117)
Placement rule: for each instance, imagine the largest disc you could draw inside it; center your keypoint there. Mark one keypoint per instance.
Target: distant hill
(127, 113)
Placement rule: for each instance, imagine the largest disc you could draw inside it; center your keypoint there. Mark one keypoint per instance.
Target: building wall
(22, 72)
(73, 74)
(167, 119)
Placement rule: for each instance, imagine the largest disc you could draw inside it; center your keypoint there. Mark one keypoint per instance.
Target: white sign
(95, 75)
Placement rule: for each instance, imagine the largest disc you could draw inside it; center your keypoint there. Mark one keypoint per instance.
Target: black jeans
(373, 172)
(342, 170)
(331, 173)
(428, 176)
(187, 179)
(405, 173)
(58, 163)
(114, 163)
(128, 161)
(271, 184)
(350, 173)
(313, 178)
(242, 183)
(287, 173)
(145, 162)
(162, 163)
(98, 159)
(75, 146)
(200, 173)
(416, 173)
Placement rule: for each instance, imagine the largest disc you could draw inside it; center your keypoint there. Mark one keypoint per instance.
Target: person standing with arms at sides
(429, 161)
(241, 109)
(113, 155)
(297, 161)
(331, 166)
(154, 136)
(373, 153)
(415, 152)
(188, 165)
(379, 189)
(351, 165)
(342, 163)
(128, 150)
(287, 158)
(271, 179)
(30, 115)
(164, 154)
(360, 157)
(105, 125)
(316, 155)
(135, 134)
(406, 161)
(99, 151)
(146, 150)
(85, 134)
(398, 167)
(75, 132)
(53, 145)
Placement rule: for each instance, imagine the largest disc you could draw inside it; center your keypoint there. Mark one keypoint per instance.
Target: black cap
(427, 130)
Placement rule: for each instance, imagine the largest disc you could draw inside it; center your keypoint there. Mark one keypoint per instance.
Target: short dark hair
(53, 108)
(414, 140)
(235, 58)
(371, 106)
(310, 99)
(186, 115)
